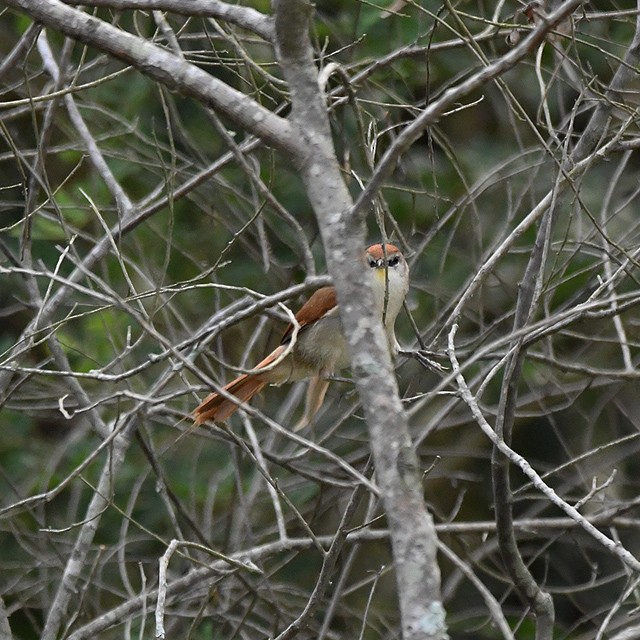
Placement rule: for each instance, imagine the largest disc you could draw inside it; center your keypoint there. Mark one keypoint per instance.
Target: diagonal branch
(614, 546)
(430, 115)
(245, 17)
(328, 564)
(540, 601)
(164, 67)
(528, 295)
(625, 74)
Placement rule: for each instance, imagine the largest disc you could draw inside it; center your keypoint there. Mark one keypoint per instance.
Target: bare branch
(431, 114)
(623, 554)
(146, 250)
(412, 533)
(245, 17)
(163, 66)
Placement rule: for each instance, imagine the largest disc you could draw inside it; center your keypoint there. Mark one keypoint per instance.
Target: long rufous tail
(217, 408)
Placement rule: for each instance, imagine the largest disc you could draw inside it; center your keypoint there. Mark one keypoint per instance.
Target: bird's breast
(323, 345)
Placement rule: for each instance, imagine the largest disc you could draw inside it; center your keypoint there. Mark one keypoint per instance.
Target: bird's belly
(323, 346)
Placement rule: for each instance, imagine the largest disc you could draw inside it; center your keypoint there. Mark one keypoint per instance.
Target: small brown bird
(320, 348)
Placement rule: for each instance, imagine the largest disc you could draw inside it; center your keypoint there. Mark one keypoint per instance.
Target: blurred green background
(206, 238)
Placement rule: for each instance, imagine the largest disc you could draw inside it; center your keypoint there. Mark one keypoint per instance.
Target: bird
(320, 348)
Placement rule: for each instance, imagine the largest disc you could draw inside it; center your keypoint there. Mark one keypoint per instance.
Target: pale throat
(386, 280)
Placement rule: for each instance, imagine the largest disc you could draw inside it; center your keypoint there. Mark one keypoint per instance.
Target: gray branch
(244, 17)
(526, 305)
(164, 67)
(436, 109)
(413, 536)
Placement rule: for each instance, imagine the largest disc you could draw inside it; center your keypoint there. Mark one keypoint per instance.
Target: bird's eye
(393, 261)
(372, 263)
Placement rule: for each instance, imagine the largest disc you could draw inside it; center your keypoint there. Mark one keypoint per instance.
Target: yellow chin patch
(380, 274)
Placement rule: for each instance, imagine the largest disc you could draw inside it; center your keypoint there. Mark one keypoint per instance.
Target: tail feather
(218, 408)
(316, 391)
